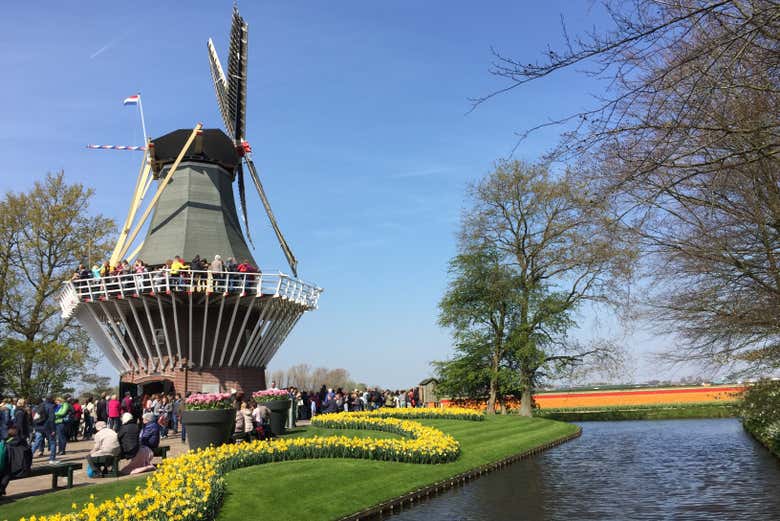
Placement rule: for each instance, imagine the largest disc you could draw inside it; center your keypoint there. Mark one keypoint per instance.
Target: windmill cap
(211, 145)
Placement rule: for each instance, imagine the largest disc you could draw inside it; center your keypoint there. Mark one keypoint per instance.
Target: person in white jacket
(106, 444)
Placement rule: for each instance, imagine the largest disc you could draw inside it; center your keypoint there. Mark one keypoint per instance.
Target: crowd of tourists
(307, 404)
(119, 428)
(200, 272)
(131, 428)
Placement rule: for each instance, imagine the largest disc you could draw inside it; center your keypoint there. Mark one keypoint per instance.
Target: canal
(668, 469)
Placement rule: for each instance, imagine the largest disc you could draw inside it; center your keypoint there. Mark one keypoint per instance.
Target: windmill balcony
(136, 285)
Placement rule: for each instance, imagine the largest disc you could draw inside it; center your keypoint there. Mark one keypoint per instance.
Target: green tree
(53, 366)
(96, 385)
(562, 252)
(481, 307)
(44, 234)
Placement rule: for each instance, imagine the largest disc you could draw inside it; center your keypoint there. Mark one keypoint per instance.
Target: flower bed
(192, 486)
(450, 413)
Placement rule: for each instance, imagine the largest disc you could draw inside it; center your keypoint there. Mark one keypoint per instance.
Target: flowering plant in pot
(208, 419)
(270, 395)
(207, 401)
(278, 402)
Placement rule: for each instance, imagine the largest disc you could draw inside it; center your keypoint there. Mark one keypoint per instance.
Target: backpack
(70, 415)
(40, 416)
(2, 456)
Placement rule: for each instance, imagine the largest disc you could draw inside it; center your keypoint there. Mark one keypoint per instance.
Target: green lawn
(325, 489)
(328, 489)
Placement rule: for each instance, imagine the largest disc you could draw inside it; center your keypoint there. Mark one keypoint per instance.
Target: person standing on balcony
(216, 275)
(176, 268)
(95, 271)
(231, 266)
(197, 277)
(105, 269)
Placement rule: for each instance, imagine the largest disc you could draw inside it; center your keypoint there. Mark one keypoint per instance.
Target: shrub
(760, 412)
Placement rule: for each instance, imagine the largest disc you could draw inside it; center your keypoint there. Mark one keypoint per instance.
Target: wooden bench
(161, 451)
(241, 436)
(57, 470)
(112, 462)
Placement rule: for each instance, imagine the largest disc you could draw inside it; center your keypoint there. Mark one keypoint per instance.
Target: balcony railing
(187, 281)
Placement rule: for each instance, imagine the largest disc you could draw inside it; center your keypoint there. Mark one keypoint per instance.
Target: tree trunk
(526, 395)
(491, 404)
(493, 391)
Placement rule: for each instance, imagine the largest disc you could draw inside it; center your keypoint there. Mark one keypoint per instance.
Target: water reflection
(675, 469)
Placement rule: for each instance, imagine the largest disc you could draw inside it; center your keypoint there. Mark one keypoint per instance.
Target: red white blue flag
(132, 100)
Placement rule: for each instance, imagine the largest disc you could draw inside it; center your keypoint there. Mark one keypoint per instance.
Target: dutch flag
(132, 100)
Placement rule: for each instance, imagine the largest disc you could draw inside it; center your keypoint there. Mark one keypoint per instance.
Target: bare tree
(303, 377)
(684, 144)
(299, 376)
(563, 252)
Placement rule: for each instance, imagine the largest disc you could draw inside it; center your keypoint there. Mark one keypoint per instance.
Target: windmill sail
(237, 65)
(220, 88)
(231, 98)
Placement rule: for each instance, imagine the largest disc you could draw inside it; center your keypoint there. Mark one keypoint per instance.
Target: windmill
(193, 330)
(231, 99)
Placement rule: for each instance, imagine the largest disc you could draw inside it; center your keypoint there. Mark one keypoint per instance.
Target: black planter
(279, 413)
(208, 427)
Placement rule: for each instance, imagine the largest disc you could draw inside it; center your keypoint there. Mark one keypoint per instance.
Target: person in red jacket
(127, 403)
(76, 422)
(114, 412)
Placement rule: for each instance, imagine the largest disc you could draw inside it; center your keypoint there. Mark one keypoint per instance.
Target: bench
(241, 436)
(57, 470)
(112, 462)
(161, 451)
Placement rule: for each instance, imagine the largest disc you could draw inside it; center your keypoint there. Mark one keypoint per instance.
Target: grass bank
(323, 490)
(642, 412)
(326, 489)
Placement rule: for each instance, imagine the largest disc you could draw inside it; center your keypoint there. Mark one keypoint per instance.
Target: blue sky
(358, 114)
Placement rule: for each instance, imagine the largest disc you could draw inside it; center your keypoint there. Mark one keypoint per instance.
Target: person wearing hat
(150, 435)
(106, 444)
(128, 436)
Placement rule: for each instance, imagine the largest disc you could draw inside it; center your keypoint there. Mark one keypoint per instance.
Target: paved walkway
(77, 452)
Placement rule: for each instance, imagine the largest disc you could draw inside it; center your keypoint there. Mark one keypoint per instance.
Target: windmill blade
(291, 260)
(242, 199)
(220, 88)
(237, 66)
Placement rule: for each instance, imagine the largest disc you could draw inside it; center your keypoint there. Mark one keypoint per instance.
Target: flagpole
(143, 123)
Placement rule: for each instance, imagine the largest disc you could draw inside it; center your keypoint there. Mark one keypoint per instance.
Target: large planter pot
(208, 427)
(279, 413)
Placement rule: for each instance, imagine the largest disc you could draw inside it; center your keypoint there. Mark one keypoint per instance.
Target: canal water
(667, 469)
